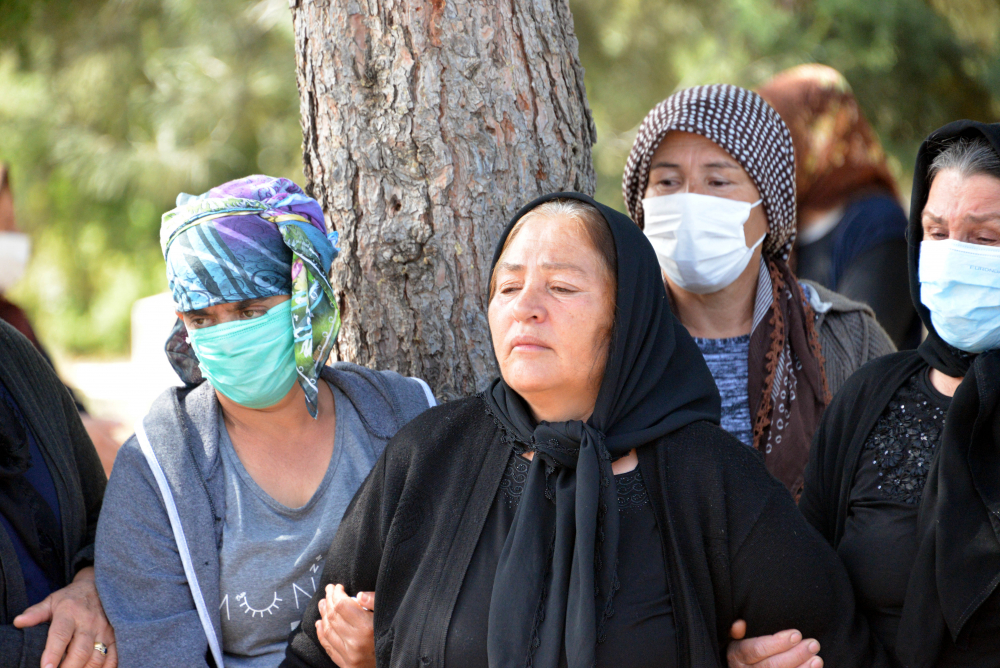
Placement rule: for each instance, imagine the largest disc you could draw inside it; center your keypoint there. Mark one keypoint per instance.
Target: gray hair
(967, 156)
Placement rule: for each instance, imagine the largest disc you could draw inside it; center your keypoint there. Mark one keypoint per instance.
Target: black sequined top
(640, 633)
(904, 440)
(880, 542)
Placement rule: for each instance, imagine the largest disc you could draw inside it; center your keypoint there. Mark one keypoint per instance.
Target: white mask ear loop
(763, 236)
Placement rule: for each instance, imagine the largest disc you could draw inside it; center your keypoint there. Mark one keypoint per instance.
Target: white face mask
(699, 239)
(960, 286)
(15, 248)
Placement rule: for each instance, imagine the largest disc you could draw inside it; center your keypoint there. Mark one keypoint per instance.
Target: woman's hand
(76, 623)
(345, 628)
(787, 649)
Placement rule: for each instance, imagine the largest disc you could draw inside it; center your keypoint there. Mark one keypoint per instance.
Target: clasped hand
(345, 628)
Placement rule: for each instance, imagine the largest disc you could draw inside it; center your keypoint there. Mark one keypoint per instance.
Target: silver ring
(101, 647)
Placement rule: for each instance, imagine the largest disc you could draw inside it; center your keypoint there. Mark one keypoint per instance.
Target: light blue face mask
(960, 285)
(250, 361)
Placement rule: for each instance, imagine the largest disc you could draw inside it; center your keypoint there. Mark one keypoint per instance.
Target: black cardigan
(840, 438)
(735, 544)
(76, 473)
(966, 518)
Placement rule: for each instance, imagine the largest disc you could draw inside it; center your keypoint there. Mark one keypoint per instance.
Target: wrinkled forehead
(958, 198)
(546, 238)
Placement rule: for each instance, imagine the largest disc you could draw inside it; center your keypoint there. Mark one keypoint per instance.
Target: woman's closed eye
(563, 289)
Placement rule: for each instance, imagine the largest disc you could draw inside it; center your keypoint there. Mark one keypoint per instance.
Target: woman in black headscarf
(586, 509)
(904, 475)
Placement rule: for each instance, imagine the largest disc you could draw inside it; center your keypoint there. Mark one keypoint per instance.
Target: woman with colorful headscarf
(222, 506)
(711, 180)
(851, 228)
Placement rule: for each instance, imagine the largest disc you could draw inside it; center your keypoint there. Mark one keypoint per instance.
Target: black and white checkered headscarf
(743, 124)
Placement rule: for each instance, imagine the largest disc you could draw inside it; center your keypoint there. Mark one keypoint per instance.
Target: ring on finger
(101, 647)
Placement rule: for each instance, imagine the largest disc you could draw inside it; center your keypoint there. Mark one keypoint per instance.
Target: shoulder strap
(182, 546)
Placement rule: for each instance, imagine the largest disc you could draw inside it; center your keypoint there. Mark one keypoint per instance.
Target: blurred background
(109, 108)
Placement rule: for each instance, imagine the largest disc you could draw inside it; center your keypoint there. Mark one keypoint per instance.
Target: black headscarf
(935, 351)
(958, 561)
(557, 572)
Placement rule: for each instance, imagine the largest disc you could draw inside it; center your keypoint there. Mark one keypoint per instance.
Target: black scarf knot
(570, 536)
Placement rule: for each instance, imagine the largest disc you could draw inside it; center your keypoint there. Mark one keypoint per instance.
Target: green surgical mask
(250, 361)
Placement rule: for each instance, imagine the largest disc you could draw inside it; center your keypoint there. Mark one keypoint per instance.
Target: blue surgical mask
(960, 286)
(250, 361)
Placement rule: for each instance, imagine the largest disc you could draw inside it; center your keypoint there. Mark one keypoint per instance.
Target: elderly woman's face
(685, 162)
(551, 317)
(963, 208)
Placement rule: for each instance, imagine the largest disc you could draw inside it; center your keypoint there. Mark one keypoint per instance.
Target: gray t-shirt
(727, 359)
(272, 555)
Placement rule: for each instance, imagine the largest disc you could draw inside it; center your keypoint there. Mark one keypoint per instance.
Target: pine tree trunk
(426, 125)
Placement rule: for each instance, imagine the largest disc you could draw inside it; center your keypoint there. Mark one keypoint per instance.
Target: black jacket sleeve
(22, 647)
(45, 400)
(92, 479)
(785, 575)
(353, 561)
(816, 502)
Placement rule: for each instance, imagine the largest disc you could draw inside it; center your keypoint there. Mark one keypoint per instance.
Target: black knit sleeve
(785, 575)
(92, 478)
(51, 401)
(814, 504)
(353, 561)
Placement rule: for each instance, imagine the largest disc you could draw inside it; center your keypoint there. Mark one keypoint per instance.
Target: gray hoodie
(140, 576)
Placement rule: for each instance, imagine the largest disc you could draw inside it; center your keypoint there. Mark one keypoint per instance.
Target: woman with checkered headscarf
(711, 180)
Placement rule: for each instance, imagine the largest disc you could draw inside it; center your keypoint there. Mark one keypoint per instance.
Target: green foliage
(913, 64)
(109, 109)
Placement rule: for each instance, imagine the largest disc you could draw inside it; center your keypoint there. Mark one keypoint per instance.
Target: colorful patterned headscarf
(246, 239)
(836, 152)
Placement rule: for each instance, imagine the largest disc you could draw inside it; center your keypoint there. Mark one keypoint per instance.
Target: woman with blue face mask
(902, 478)
(222, 506)
(711, 180)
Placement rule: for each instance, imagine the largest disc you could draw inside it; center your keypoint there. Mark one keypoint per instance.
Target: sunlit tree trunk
(426, 125)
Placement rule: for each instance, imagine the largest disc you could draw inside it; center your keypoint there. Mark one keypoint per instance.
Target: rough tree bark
(426, 125)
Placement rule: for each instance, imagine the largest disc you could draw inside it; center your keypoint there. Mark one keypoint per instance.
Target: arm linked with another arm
(785, 575)
(353, 561)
